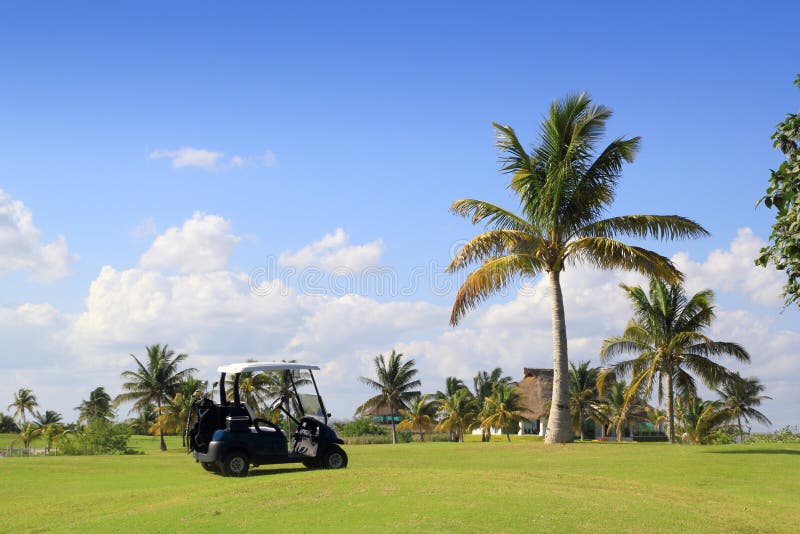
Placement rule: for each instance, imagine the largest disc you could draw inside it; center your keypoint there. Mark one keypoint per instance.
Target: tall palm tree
(564, 188)
(419, 415)
(485, 385)
(502, 410)
(584, 399)
(155, 381)
(666, 336)
(458, 413)
(740, 396)
(24, 401)
(98, 405)
(396, 385)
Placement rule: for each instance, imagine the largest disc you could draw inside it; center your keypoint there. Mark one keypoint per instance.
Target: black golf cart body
(227, 437)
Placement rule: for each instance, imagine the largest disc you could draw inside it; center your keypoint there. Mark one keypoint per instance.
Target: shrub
(721, 437)
(784, 435)
(362, 426)
(404, 436)
(98, 437)
(381, 439)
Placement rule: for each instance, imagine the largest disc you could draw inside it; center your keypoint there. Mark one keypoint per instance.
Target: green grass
(469, 487)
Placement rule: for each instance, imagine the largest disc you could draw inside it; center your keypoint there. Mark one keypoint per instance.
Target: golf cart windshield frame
(253, 367)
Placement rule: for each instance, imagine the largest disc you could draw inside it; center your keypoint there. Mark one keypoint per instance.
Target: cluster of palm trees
(161, 394)
(596, 395)
(47, 424)
(494, 404)
(564, 187)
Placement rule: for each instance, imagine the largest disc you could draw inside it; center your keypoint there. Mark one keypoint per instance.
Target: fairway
(470, 487)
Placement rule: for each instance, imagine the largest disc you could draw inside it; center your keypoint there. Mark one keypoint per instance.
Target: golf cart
(227, 436)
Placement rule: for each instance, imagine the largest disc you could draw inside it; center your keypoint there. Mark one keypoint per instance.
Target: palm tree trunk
(161, 429)
(741, 432)
(580, 422)
(559, 426)
(670, 408)
(394, 430)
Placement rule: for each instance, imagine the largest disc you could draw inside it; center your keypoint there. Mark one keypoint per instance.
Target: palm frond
(494, 275)
(606, 253)
(492, 216)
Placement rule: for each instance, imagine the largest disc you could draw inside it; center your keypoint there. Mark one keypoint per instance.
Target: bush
(784, 435)
(437, 436)
(404, 436)
(721, 437)
(98, 437)
(360, 427)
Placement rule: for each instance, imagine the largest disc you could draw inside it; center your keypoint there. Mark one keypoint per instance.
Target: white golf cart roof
(254, 367)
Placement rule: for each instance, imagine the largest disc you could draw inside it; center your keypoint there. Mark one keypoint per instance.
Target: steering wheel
(267, 423)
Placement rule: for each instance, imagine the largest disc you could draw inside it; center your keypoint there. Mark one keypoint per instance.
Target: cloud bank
(22, 248)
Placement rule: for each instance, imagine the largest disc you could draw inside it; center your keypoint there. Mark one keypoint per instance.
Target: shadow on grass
(257, 472)
(756, 451)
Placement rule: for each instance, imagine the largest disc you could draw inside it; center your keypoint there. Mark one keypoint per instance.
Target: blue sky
(369, 117)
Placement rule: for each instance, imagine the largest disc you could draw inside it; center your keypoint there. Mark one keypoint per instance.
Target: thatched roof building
(536, 390)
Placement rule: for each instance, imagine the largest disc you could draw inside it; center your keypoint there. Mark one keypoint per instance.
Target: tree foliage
(502, 410)
(155, 381)
(564, 188)
(584, 398)
(458, 413)
(396, 385)
(783, 194)
(419, 415)
(667, 338)
(24, 402)
(740, 396)
(97, 405)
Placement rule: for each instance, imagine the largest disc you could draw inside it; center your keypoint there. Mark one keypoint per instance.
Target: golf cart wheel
(334, 458)
(210, 466)
(236, 464)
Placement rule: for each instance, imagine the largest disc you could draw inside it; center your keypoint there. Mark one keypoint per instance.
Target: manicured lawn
(470, 487)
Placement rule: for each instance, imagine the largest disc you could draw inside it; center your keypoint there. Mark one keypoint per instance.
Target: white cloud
(734, 270)
(21, 246)
(189, 157)
(217, 317)
(210, 160)
(204, 243)
(331, 254)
